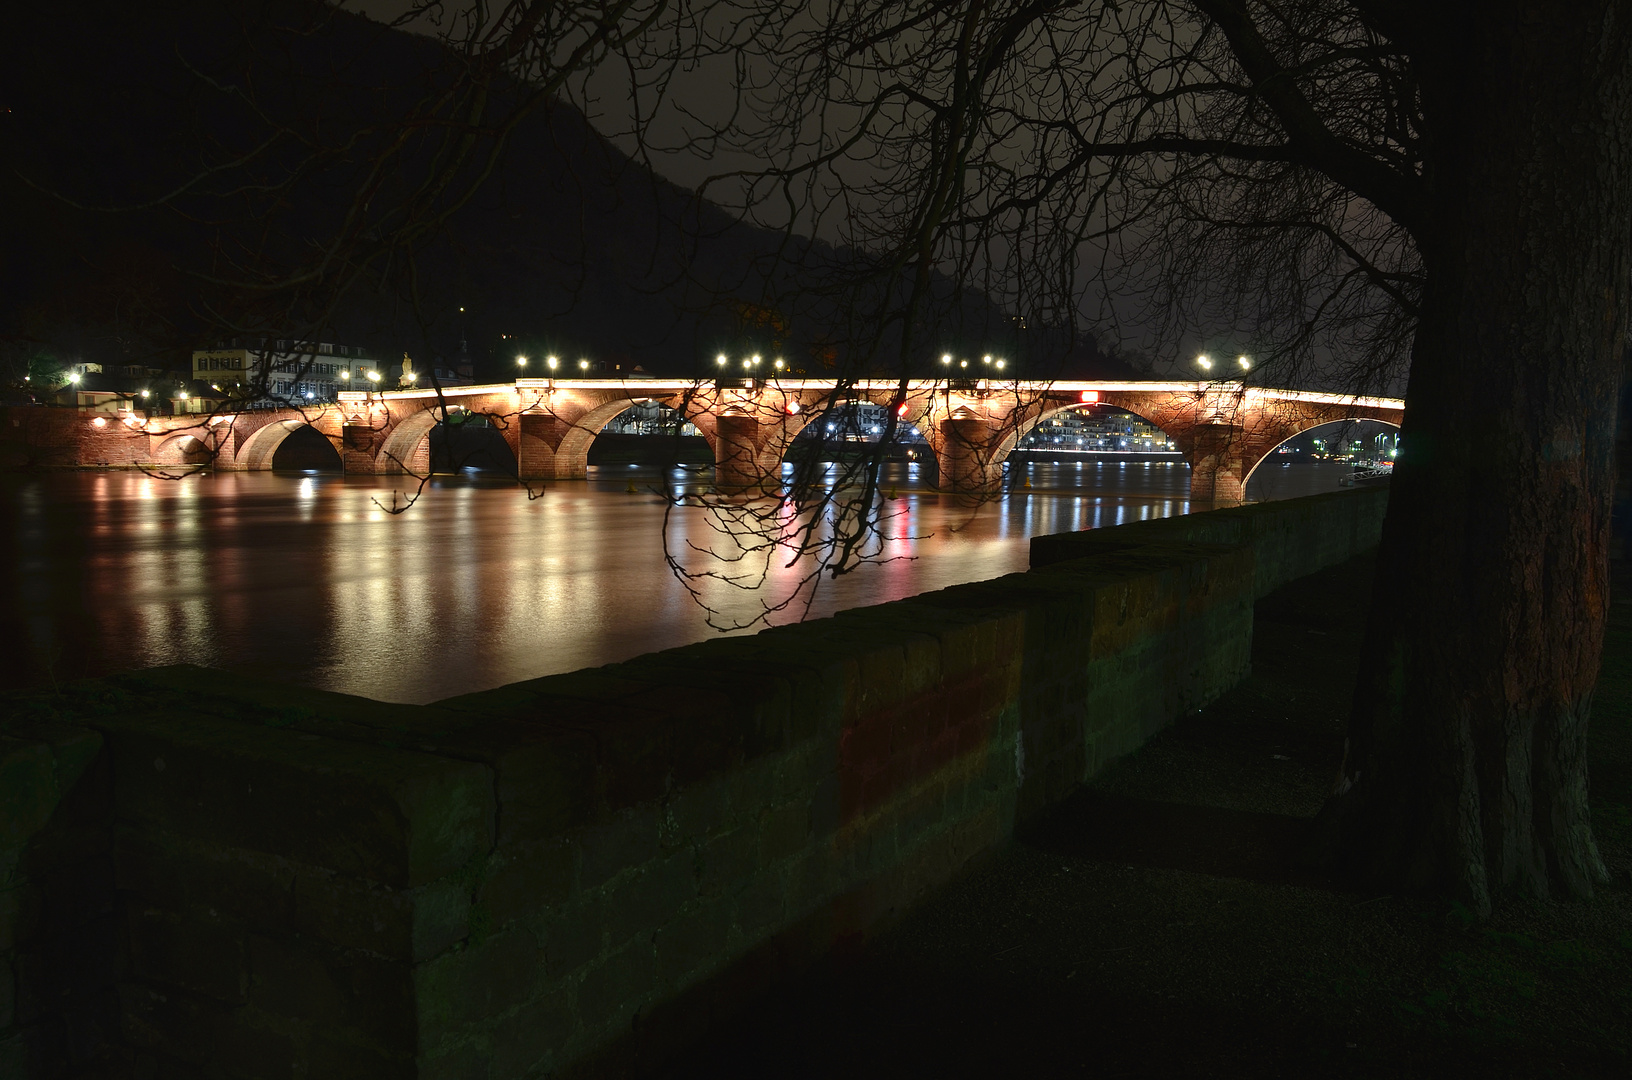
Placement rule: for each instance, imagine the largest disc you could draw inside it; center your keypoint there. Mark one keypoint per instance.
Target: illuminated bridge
(1223, 429)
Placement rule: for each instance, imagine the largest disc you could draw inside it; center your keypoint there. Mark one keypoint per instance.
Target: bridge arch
(573, 452)
(257, 450)
(1012, 438)
(184, 448)
(1269, 450)
(407, 447)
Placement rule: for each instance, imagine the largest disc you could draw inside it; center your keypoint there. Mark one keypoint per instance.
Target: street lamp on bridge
(960, 376)
(751, 365)
(1205, 363)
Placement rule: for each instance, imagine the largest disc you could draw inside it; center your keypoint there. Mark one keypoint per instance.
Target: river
(305, 578)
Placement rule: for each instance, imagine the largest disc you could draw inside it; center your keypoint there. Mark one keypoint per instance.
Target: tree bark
(1465, 771)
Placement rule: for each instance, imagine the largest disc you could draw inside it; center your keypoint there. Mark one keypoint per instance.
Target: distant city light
(946, 358)
(779, 363)
(1244, 362)
(583, 365)
(720, 359)
(551, 362)
(1204, 363)
(521, 361)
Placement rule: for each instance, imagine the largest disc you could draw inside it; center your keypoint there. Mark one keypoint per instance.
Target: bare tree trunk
(1466, 768)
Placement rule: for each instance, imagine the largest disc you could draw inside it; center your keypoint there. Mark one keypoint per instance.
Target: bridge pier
(736, 455)
(360, 448)
(965, 455)
(537, 444)
(1217, 465)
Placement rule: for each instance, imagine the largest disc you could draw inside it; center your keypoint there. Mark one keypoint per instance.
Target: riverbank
(1158, 923)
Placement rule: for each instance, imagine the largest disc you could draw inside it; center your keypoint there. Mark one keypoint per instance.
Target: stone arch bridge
(1223, 429)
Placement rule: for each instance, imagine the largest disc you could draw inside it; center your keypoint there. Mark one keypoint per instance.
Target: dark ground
(1158, 924)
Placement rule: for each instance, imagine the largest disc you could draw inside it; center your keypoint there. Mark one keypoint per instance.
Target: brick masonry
(205, 875)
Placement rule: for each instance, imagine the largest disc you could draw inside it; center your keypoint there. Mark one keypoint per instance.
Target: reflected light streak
(301, 579)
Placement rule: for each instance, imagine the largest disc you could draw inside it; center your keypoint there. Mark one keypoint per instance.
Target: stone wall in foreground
(581, 869)
(1290, 539)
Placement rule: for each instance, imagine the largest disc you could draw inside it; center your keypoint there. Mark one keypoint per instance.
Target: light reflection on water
(302, 578)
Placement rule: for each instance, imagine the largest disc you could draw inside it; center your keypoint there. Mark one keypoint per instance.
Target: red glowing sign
(901, 409)
(1090, 396)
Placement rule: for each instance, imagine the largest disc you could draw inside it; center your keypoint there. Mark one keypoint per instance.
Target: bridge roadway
(1224, 429)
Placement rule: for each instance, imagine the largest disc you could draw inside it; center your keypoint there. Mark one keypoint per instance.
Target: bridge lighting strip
(642, 388)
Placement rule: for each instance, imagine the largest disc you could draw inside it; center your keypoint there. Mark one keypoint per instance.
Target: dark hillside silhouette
(569, 246)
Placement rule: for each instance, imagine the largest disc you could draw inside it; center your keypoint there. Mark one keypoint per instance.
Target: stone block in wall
(1290, 537)
(476, 983)
(394, 816)
(302, 984)
(403, 924)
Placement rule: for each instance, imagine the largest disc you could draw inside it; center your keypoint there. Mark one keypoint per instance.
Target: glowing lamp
(1090, 396)
(99, 422)
(793, 408)
(901, 409)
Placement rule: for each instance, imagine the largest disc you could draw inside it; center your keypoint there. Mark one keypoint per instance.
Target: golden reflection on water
(305, 578)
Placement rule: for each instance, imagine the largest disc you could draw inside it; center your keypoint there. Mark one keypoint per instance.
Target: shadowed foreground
(1159, 923)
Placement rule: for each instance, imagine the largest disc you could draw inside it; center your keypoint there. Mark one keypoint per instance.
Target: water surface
(306, 578)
